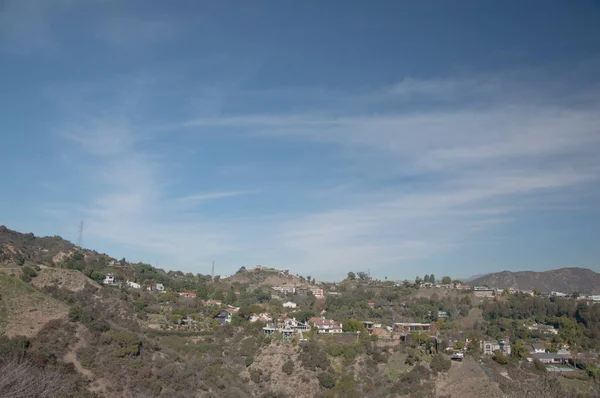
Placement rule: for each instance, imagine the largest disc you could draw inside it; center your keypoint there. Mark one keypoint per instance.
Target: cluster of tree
(578, 323)
(425, 279)
(363, 276)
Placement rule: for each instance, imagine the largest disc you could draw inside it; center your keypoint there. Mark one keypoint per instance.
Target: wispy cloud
(215, 195)
(478, 168)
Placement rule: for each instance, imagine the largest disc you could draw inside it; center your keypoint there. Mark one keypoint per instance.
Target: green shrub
(500, 358)
(288, 367)
(440, 363)
(326, 380)
(539, 366)
(27, 273)
(128, 344)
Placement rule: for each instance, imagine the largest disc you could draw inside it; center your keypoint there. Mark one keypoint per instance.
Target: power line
(80, 235)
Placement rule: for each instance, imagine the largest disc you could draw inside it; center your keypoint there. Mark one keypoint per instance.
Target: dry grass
(466, 379)
(69, 279)
(24, 310)
(301, 383)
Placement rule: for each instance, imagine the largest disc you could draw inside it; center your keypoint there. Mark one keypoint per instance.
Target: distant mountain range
(565, 280)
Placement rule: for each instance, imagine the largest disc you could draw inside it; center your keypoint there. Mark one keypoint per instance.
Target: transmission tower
(212, 275)
(80, 235)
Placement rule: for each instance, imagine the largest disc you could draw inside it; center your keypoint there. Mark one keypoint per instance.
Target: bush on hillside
(27, 273)
(440, 363)
(326, 380)
(288, 367)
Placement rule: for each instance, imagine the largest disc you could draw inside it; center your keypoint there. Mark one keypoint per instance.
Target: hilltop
(268, 277)
(565, 280)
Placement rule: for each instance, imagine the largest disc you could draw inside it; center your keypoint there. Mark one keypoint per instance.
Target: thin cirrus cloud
(481, 167)
(487, 166)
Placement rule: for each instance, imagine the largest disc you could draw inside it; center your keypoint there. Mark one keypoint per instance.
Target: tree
(446, 280)
(426, 279)
(353, 325)
(362, 275)
(432, 278)
(308, 278)
(231, 298)
(27, 273)
(418, 280)
(440, 363)
(576, 294)
(351, 276)
(202, 291)
(241, 270)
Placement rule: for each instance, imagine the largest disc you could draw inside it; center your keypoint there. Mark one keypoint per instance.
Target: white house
(546, 329)
(489, 347)
(537, 348)
(109, 279)
(326, 325)
(558, 294)
(133, 285)
(289, 304)
(285, 289)
(159, 287)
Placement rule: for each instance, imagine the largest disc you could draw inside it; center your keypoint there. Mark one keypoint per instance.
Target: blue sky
(402, 137)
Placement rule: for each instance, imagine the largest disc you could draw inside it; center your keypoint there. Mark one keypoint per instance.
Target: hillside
(566, 280)
(18, 248)
(267, 277)
(25, 310)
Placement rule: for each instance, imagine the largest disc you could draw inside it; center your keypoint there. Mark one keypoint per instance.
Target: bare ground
(98, 385)
(466, 379)
(24, 310)
(69, 279)
(300, 383)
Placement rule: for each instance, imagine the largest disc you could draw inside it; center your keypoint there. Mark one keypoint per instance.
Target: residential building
(133, 285)
(289, 304)
(159, 288)
(317, 292)
(537, 348)
(369, 326)
(263, 317)
(594, 298)
(109, 279)
(558, 294)
(462, 287)
(490, 347)
(292, 323)
(545, 329)
(551, 357)
(326, 325)
(187, 294)
(442, 314)
(285, 289)
(404, 328)
(211, 302)
(484, 293)
(224, 317)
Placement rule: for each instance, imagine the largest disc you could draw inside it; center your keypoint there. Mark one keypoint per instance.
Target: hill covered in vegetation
(64, 334)
(565, 280)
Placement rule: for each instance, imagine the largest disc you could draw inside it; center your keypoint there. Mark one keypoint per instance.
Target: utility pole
(80, 235)
(212, 275)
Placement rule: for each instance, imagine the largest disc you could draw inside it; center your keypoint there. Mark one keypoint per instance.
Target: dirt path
(466, 379)
(97, 385)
